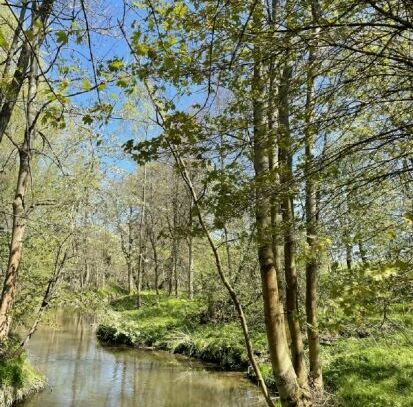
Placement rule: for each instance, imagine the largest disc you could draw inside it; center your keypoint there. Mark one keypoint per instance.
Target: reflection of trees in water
(76, 377)
(87, 373)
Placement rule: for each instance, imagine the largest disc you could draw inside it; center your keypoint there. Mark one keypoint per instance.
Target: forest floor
(373, 371)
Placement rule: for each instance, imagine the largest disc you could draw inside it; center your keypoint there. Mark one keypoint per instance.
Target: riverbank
(18, 380)
(176, 325)
(372, 371)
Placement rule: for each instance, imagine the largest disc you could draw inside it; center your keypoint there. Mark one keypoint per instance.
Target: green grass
(176, 325)
(15, 370)
(371, 372)
(360, 372)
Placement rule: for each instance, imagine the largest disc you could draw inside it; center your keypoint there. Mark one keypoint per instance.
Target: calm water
(83, 373)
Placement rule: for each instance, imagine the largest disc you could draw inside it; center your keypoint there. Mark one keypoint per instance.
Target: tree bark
(291, 393)
(13, 49)
(287, 183)
(141, 242)
(155, 260)
(225, 281)
(38, 32)
(311, 215)
(190, 254)
(19, 207)
(349, 256)
(274, 164)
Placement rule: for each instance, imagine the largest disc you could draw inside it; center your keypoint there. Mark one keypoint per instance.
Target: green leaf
(3, 42)
(102, 86)
(115, 65)
(87, 119)
(86, 85)
(62, 37)
(122, 82)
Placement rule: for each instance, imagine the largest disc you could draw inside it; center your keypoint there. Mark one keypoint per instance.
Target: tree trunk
(156, 262)
(311, 216)
(288, 386)
(141, 242)
(130, 276)
(287, 181)
(9, 98)
(349, 256)
(16, 246)
(175, 272)
(19, 209)
(274, 164)
(363, 253)
(225, 281)
(190, 255)
(12, 50)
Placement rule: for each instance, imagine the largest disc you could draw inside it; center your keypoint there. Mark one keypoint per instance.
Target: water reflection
(82, 373)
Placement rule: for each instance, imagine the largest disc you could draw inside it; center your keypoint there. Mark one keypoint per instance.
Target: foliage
(15, 370)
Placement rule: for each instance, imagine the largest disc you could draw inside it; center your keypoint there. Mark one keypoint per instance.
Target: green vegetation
(17, 372)
(18, 379)
(372, 371)
(252, 157)
(176, 325)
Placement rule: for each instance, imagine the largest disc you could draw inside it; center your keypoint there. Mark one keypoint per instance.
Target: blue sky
(105, 46)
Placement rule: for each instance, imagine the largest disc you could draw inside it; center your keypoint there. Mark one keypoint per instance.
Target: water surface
(83, 373)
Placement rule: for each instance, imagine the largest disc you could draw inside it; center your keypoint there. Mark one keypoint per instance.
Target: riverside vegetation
(240, 171)
(361, 367)
(18, 379)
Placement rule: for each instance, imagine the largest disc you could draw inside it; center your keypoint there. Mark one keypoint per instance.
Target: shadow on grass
(372, 376)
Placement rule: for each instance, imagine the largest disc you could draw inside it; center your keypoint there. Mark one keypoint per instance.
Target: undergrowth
(371, 371)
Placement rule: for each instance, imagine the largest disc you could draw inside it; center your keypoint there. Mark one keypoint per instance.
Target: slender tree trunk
(228, 252)
(156, 262)
(175, 272)
(16, 246)
(87, 273)
(363, 253)
(291, 393)
(40, 16)
(129, 251)
(130, 276)
(190, 254)
(171, 271)
(349, 256)
(141, 242)
(175, 239)
(12, 50)
(312, 262)
(225, 281)
(291, 278)
(19, 207)
(287, 180)
(274, 164)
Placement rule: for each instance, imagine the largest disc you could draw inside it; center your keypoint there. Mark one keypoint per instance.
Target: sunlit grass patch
(371, 372)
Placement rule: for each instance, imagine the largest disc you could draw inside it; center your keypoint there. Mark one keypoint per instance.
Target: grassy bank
(176, 325)
(373, 371)
(370, 371)
(18, 379)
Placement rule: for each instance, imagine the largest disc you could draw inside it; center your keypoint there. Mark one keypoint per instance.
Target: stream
(81, 372)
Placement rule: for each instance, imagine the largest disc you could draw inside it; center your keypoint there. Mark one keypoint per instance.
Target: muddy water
(83, 373)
